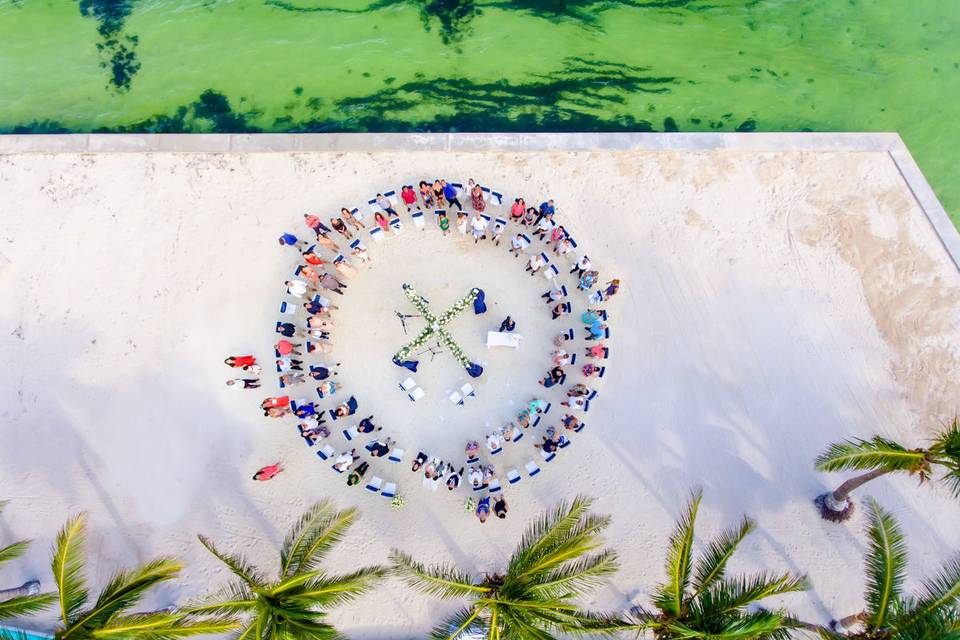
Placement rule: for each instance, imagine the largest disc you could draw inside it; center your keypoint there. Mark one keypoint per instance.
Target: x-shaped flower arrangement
(436, 327)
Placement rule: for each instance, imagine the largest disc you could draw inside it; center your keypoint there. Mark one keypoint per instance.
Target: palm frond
(310, 630)
(577, 578)
(940, 593)
(162, 626)
(67, 565)
(439, 582)
(886, 564)
(335, 590)
(759, 624)
(25, 605)
(550, 529)
(15, 550)
(731, 594)
(233, 598)
(876, 453)
(237, 564)
(124, 589)
(946, 448)
(454, 625)
(317, 530)
(713, 561)
(670, 596)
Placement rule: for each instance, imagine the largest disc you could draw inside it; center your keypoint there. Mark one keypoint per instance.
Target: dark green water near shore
(489, 65)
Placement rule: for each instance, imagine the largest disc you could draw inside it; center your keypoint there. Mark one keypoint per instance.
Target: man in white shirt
(479, 226)
(296, 287)
(517, 244)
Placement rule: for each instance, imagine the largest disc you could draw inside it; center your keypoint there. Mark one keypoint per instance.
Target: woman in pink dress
(516, 211)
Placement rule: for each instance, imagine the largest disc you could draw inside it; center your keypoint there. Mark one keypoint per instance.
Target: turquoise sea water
(489, 65)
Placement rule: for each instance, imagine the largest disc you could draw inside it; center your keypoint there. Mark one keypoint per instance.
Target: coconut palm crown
(879, 456)
(294, 605)
(109, 615)
(889, 614)
(558, 560)
(24, 600)
(698, 599)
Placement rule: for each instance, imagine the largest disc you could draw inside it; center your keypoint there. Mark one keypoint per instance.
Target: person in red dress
(268, 472)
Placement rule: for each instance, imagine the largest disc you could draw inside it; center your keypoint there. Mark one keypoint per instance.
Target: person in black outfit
(500, 507)
(508, 324)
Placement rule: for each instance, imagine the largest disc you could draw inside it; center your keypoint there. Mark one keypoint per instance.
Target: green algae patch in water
(489, 65)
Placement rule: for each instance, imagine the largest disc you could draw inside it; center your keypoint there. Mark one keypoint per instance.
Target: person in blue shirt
(291, 240)
(450, 194)
(546, 209)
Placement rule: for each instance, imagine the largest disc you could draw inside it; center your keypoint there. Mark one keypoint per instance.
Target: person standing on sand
(450, 194)
(351, 219)
(288, 239)
(268, 472)
(409, 197)
(479, 226)
(444, 223)
(476, 198)
(243, 383)
(508, 325)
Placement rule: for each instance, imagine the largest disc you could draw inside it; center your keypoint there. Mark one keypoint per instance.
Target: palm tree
(533, 597)
(699, 601)
(25, 599)
(294, 605)
(880, 456)
(931, 614)
(109, 615)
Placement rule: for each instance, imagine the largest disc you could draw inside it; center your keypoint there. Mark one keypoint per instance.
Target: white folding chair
(377, 234)
(418, 221)
(416, 394)
(532, 468)
(456, 398)
(513, 476)
(408, 384)
(389, 490)
(326, 452)
(350, 433)
(288, 308)
(374, 484)
(494, 486)
(547, 457)
(467, 391)
(396, 455)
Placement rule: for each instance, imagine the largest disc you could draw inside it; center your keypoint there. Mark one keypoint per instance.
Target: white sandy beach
(772, 302)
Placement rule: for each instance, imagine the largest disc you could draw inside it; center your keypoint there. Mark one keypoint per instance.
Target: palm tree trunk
(847, 623)
(837, 506)
(31, 588)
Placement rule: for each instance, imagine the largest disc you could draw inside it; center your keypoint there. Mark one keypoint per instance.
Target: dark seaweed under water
(488, 65)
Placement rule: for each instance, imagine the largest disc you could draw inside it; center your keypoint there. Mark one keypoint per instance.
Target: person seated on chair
(517, 243)
(434, 469)
(357, 474)
(494, 440)
(345, 460)
(384, 203)
(509, 432)
(537, 405)
(475, 477)
(597, 351)
(327, 388)
(576, 402)
(291, 379)
(553, 295)
(380, 448)
(347, 408)
(312, 434)
(578, 390)
(471, 449)
(560, 357)
(489, 473)
(418, 462)
(535, 263)
(366, 426)
(500, 507)
(550, 442)
(588, 279)
(320, 372)
(569, 422)
(591, 370)
(306, 410)
(523, 419)
(453, 480)
(279, 401)
(553, 377)
(596, 331)
(559, 310)
(508, 324)
(483, 508)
